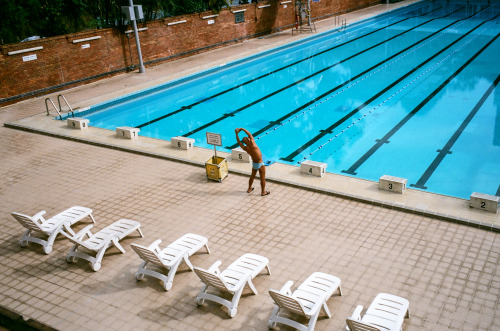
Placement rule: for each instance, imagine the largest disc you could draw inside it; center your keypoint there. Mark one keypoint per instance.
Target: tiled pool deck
(449, 272)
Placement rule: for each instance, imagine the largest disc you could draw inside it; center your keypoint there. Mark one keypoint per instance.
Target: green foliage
(24, 18)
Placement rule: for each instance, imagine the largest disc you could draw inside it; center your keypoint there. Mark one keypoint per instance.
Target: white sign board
(211, 22)
(85, 46)
(214, 139)
(29, 57)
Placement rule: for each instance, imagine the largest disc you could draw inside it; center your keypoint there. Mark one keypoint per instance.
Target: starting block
(182, 142)
(393, 184)
(484, 201)
(313, 168)
(78, 123)
(238, 154)
(127, 132)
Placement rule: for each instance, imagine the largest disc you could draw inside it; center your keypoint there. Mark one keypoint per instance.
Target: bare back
(253, 150)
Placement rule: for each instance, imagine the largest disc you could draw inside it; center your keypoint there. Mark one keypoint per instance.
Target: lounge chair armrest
(287, 288)
(215, 267)
(356, 315)
(38, 215)
(84, 231)
(155, 246)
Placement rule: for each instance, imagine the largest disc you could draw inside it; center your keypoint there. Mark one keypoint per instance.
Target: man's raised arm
(237, 130)
(248, 133)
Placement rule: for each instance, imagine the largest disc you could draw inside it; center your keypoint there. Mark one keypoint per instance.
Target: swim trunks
(257, 166)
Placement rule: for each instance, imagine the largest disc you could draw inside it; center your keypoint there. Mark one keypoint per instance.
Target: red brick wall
(62, 63)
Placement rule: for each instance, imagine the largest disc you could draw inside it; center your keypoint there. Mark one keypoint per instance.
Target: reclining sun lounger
(307, 300)
(232, 280)
(169, 258)
(51, 227)
(386, 313)
(99, 242)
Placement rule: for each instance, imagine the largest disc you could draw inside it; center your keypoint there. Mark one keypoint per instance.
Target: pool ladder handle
(59, 103)
(342, 22)
(343, 26)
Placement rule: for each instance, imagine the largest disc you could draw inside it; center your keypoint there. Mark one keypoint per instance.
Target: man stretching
(248, 145)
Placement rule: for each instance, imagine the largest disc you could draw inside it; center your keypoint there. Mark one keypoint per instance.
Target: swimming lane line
(447, 147)
(275, 71)
(385, 139)
(230, 114)
(293, 112)
(328, 130)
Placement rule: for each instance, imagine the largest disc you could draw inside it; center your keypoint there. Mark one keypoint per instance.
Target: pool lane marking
(447, 147)
(328, 130)
(280, 122)
(231, 114)
(280, 69)
(385, 139)
(354, 122)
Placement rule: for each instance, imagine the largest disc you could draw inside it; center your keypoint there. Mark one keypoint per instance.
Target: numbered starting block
(313, 168)
(127, 132)
(484, 201)
(182, 142)
(238, 154)
(78, 123)
(393, 184)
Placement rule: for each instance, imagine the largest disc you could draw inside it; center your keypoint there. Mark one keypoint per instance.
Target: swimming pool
(411, 93)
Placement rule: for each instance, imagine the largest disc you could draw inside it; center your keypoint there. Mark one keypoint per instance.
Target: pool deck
(375, 241)
(435, 205)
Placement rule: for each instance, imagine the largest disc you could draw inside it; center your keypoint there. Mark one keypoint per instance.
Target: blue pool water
(412, 93)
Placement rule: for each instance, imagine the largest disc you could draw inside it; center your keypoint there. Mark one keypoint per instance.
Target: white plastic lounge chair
(50, 227)
(307, 300)
(169, 258)
(232, 280)
(99, 242)
(386, 313)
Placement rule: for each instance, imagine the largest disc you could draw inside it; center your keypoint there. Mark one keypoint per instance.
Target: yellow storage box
(216, 168)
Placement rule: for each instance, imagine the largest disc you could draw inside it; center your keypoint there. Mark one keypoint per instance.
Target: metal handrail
(47, 106)
(67, 104)
(343, 25)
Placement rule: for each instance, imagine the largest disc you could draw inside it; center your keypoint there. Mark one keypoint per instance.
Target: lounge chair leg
(268, 269)
(96, 266)
(313, 319)
(199, 299)
(208, 249)
(252, 287)
(271, 324)
(47, 247)
(69, 229)
(340, 290)
(232, 309)
(168, 282)
(326, 310)
(232, 312)
(92, 218)
(117, 245)
(142, 267)
(70, 258)
(96, 263)
(408, 313)
(23, 242)
(188, 263)
(140, 232)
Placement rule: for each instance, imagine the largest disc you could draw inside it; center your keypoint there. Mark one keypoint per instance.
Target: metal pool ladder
(59, 103)
(342, 22)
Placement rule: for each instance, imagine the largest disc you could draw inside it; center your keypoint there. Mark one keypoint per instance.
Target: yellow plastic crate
(216, 168)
